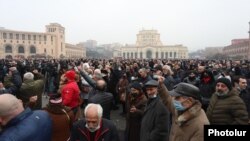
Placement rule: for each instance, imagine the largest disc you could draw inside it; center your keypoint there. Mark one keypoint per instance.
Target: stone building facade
(24, 44)
(149, 46)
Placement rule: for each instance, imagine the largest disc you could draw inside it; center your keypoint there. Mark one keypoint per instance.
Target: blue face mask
(178, 106)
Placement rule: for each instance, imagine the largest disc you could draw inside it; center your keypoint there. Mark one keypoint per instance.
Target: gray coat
(155, 122)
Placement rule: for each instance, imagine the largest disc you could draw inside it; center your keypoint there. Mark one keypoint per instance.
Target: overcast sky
(193, 23)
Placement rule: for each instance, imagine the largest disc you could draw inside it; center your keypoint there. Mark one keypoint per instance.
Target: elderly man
(226, 107)
(94, 127)
(32, 86)
(188, 118)
(19, 124)
(155, 122)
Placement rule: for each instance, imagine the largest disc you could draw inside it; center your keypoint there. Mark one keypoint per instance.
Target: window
(136, 55)
(45, 50)
(29, 37)
(17, 36)
(45, 38)
(32, 49)
(166, 55)
(174, 54)
(20, 49)
(156, 55)
(23, 36)
(124, 54)
(34, 37)
(11, 36)
(8, 49)
(170, 55)
(162, 55)
(61, 46)
(4, 36)
(39, 37)
(132, 55)
(141, 55)
(127, 55)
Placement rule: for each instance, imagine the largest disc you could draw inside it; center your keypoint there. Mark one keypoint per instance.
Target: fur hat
(70, 75)
(225, 81)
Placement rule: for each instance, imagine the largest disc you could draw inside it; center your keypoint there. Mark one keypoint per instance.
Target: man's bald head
(10, 107)
(8, 103)
(101, 85)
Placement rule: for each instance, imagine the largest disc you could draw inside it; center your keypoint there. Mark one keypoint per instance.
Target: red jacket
(71, 94)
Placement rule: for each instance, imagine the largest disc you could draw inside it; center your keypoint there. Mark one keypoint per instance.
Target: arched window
(20, 49)
(166, 55)
(32, 49)
(8, 49)
(141, 55)
(162, 55)
(135, 55)
(149, 54)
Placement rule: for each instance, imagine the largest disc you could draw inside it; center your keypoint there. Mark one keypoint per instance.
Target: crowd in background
(157, 96)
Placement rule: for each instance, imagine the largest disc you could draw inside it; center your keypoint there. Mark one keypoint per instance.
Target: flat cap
(151, 83)
(185, 89)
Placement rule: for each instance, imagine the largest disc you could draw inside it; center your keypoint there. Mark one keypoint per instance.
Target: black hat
(136, 85)
(151, 83)
(185, 89)
(225, 81)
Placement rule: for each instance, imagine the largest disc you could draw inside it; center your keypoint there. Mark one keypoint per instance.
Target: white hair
(28, 76)
(98, 108)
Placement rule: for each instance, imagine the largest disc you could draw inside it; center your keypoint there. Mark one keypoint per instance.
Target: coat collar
(19, 117)
(189, 114)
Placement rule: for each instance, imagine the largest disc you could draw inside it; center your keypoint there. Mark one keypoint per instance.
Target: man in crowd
(19, 124)
(241, 86)
(155, 122)
(226, 107)
(188, 118)
(94, 127)
(103, 98)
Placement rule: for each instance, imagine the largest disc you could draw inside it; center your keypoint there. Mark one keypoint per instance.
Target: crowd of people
(162, 100)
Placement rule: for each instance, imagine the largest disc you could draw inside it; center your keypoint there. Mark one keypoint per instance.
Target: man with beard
(94, 127)
(226, 107)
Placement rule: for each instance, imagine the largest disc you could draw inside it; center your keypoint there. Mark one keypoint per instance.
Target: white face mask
(152, 96)
(92, 129)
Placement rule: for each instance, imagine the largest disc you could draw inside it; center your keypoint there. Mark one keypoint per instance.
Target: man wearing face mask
(155, 122)
(94, 127)
(226, 107)
(188, 118)
(103, 98)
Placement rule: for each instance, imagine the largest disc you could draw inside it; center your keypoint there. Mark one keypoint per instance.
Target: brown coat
(61, 121)
(133, 120)
(188, 126)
